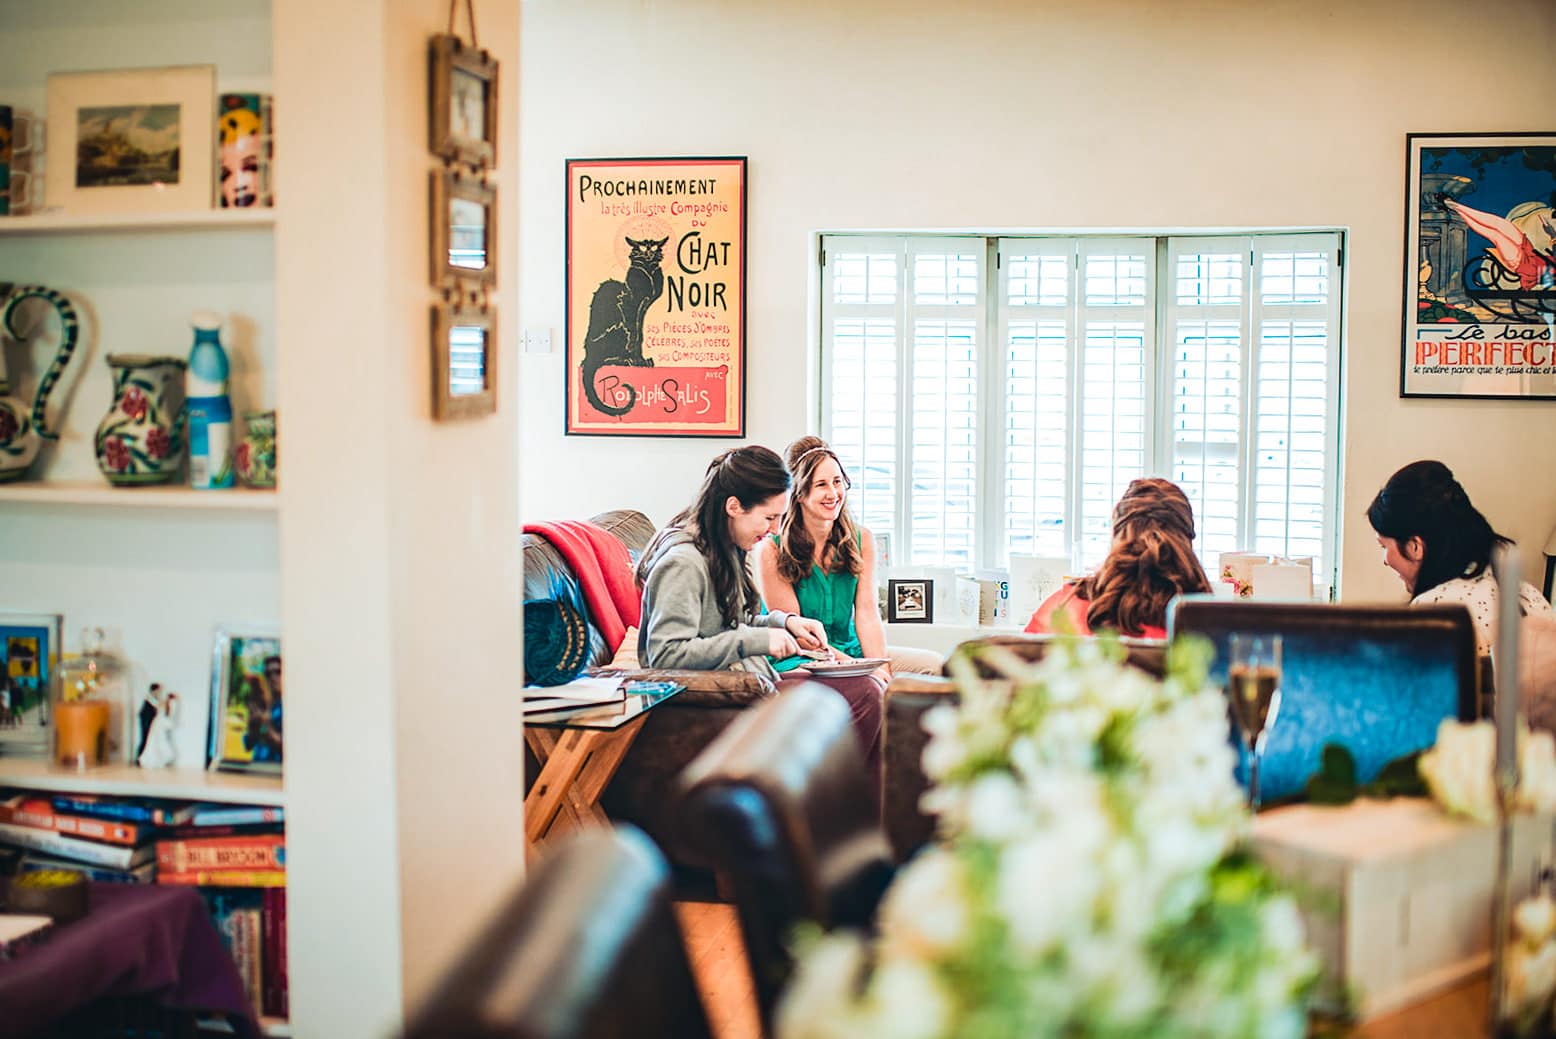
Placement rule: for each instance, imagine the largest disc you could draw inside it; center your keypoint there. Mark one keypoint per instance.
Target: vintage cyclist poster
(1480, 266)
(656, 265)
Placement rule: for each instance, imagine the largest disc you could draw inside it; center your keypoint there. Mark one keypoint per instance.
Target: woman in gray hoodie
(701, 610)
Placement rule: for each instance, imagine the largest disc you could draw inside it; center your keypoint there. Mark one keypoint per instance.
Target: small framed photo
(910, 602)
(463, 127)
(245, 730)
(464, 229)
(29, 662)
(132, 141)
(464, 362)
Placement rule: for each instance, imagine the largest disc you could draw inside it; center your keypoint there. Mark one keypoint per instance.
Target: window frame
(1158, 319)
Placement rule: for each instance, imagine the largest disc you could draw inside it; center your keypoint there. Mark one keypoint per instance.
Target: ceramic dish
(844, 668)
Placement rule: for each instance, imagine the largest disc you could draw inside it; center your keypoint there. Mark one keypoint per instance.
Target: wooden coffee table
(578, 756)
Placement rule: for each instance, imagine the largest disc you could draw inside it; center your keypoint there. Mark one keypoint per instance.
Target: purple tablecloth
(156, 941)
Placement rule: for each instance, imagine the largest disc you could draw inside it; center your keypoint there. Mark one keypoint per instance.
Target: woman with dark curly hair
(1440, 545)
(1150, 561)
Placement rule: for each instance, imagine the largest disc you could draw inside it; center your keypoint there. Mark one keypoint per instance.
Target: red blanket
(604, 571)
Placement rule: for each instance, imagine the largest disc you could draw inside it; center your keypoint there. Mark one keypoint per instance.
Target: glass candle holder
(89, 714)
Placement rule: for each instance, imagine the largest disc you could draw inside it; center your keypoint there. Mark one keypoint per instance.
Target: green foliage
(1335, 781)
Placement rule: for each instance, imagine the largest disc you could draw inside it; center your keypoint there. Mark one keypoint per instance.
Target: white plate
(843, 668)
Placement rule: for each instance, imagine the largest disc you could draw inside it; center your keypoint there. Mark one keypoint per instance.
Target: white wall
(1085, 114)
(398, 536)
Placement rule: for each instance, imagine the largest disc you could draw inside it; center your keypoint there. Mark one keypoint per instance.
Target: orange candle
(81, 733)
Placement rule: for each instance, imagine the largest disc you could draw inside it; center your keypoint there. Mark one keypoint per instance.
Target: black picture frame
(910, 601)
(1477, 325)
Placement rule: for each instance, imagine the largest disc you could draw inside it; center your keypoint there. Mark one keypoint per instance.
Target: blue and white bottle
(210, 408)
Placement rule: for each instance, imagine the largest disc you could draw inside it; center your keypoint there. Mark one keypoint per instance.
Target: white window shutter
(1207, 318)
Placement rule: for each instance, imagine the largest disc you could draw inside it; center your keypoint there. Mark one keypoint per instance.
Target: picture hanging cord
(453, 9)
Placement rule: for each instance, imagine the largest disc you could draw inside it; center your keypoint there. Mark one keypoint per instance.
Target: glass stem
(1253, 779)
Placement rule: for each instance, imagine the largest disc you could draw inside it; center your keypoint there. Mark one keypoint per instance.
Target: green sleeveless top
(828, 598)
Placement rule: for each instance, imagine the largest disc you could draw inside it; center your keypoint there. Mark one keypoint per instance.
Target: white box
(1395, 895)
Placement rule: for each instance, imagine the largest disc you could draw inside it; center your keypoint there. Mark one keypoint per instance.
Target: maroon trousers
(865, 694)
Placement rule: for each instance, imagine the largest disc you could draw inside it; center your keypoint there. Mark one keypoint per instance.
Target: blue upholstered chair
(1374, 679)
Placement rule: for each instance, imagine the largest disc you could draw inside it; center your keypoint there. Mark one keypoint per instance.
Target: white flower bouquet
(1087, 881)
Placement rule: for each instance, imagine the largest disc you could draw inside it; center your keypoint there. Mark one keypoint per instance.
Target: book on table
(20, 932)
(577, 695)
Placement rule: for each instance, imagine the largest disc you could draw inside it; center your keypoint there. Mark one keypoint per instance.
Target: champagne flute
(1253, 686)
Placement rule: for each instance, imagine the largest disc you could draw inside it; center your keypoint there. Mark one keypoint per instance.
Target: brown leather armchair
(587, 947)
(781, 805)
(643, 790)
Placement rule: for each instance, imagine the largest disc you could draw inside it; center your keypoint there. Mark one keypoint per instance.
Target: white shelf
(181, 784)
(97, 493)
(137, 223)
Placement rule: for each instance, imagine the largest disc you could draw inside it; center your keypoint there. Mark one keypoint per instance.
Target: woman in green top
(821, 564)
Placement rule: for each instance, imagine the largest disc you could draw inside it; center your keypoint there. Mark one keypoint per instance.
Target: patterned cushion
(556, 642)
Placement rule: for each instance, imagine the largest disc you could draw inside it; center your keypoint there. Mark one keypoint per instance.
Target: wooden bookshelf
(181, 784)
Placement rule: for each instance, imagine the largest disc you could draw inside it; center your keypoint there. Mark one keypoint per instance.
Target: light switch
(537, 340)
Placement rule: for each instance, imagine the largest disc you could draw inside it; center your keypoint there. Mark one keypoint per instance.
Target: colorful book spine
(74, 848)
(128, 811)
(260, 851)
(144, 874)
(38, 812)
(235, 815)
(272, 918)
(224, 877)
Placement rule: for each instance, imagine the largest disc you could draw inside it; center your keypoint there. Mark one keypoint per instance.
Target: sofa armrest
(703, 688)
(902, 752)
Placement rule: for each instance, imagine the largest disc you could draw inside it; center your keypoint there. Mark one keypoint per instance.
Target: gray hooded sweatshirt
(683, 626)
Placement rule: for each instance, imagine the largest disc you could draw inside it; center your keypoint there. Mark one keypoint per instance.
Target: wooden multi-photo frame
(464, 361)
(463, 127)
(464, 231)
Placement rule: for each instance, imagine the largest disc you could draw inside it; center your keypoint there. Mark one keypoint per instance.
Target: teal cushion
(556, 642)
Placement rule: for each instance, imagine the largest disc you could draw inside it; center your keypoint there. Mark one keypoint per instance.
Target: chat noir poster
(656, 265)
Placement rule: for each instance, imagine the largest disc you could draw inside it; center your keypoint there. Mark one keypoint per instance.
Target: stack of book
(108, 840)
(237, 855)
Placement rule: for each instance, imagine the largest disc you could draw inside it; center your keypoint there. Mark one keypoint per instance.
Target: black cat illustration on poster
(616, 315)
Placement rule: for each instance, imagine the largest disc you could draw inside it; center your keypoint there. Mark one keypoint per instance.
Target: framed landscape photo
(1480, 266)
(910, 601)
(464, 229)
(464, 362)
(132, 141)
(246, 714)
(29, 661)
(463, 125)
(656, 297)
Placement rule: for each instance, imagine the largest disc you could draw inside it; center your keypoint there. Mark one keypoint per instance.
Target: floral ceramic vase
(22, 426)
(141, 440)
(257, 452)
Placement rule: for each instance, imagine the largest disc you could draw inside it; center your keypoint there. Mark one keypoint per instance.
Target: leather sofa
(643, 791)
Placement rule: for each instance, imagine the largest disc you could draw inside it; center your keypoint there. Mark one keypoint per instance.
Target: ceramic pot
(22, 429)
(141, 439)
(257, 452)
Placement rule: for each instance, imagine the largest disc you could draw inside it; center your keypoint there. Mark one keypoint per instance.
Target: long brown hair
(1151, 561)
(795, 547)
(749, 474)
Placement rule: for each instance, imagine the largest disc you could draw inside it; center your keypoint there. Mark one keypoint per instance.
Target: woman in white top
(1440, 545)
